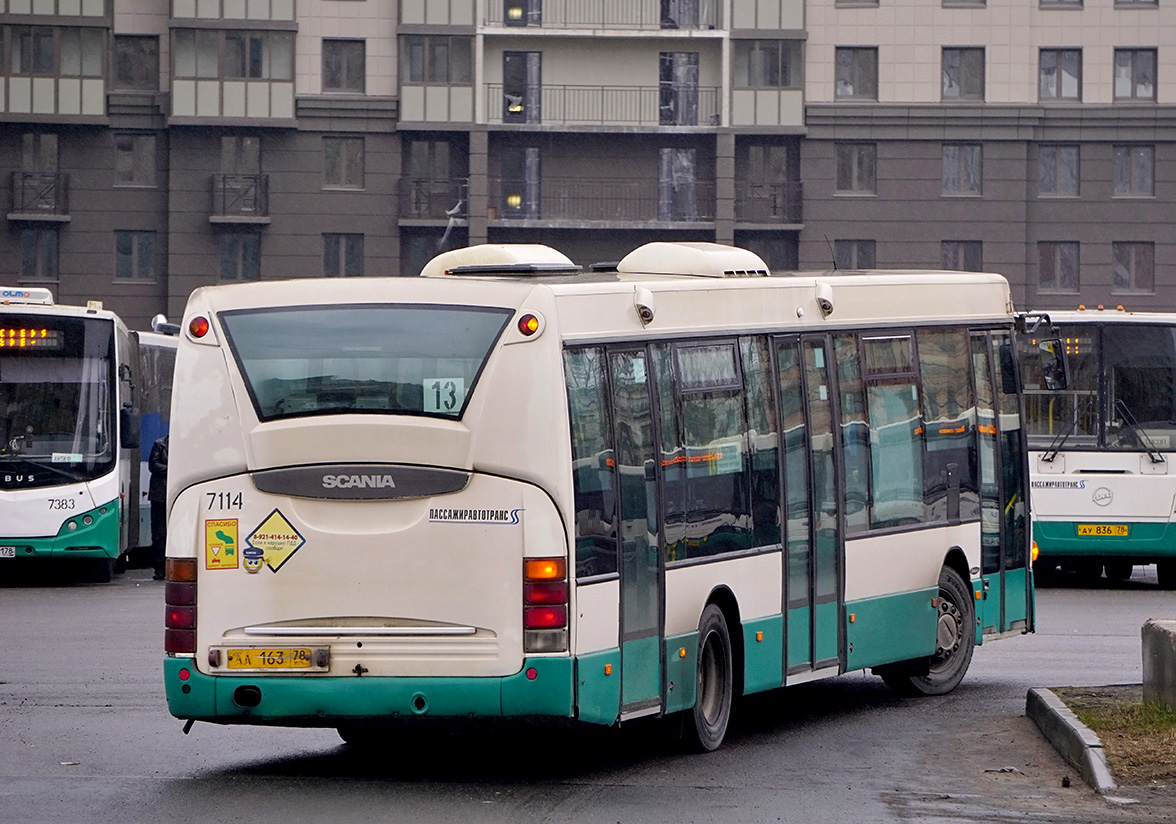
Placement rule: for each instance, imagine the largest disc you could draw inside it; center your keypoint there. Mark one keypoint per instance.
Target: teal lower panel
(890, 628)
(681, 671)
(763, 654)
(99, 539)
(799, 641)
(1016, 603)
(640, 670)
(322, 700)
(1061, 538)
(988, 607)
(825, 617)
(598, 699)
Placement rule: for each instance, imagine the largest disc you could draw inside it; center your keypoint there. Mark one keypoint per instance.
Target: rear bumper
(323, 701)
(1060, 539)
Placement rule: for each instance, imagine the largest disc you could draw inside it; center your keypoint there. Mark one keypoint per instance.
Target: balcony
(40, 196)
(240, 199)
(603, 203)
(769, 202)
(648, 15)
(651, 106)
(432, 199)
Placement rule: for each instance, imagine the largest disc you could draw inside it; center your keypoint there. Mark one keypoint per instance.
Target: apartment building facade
(1033, 139)
(154, 146)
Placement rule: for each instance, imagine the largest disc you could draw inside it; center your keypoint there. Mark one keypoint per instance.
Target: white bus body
(69, 431)
(404, 497)
(1101, 451)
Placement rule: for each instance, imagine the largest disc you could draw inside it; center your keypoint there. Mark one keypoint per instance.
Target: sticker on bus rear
(220, 544)
(277, 538)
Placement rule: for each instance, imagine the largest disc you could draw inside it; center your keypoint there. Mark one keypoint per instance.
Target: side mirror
(1055, 370)
(128, 427)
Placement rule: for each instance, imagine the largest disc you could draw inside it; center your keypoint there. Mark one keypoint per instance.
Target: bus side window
(593, 466)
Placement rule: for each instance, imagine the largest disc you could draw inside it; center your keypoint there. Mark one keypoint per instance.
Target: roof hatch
(711, 260)
(501, 259)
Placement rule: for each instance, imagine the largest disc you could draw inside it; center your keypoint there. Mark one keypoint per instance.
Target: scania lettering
(510, 488)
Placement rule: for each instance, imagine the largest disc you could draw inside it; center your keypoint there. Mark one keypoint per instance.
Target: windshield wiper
(1152, 451)
(1060, 440)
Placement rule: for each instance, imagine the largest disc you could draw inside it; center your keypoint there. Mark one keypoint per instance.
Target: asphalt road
(85, 736)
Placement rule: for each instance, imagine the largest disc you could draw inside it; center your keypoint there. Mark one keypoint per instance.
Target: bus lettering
(358, 482)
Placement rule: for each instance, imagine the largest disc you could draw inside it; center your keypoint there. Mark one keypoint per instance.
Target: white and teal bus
(512, 488)
(73, 381)
(1101, 451)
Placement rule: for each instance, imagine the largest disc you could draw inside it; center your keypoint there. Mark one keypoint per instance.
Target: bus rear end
(359, 525)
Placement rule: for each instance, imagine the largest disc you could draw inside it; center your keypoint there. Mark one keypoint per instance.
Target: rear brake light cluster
(179, 634)
(545, 605)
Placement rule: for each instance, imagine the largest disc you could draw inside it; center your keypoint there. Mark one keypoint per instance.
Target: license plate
(7, 552)
(273, 658)
(1103, 530)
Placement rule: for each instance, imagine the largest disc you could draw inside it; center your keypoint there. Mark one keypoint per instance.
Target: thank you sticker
(220, 544)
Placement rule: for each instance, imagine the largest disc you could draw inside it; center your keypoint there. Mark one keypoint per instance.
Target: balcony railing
(604, 14)
(431, 199)
(665, 105)
(605, 201)
(40, 194)
(240, 198)
(769, 202)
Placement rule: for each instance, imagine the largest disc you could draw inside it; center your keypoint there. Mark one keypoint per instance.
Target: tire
(1118, 570)
(716, 682)
(102, 570)
(955, 641)
(1166, 573)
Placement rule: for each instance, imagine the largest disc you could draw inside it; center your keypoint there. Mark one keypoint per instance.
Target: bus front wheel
(716, 681)
(954, 641)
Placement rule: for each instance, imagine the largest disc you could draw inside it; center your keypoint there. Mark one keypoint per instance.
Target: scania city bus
(72, 383)
(513, 488)
(1101, 451)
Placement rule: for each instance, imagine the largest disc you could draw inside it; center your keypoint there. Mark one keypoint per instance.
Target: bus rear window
(386, 359)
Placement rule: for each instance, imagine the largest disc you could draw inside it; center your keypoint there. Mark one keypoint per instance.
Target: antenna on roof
(831, 253)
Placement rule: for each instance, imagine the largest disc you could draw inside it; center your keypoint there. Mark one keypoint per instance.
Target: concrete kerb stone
(1076, 742)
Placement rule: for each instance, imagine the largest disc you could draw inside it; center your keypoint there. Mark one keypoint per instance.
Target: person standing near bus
(157, 495)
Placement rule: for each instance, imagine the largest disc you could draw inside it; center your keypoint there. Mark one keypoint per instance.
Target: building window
(247, 55)
(522, 12)
(134, 160)
(856, 74)
(240, 257)
(1057, 266)
(678, 89)
(134, 255)
(1060, 74)
(1135, 267)
(677, 189)
(854, 254)
(1045, 4)
(1135, 174)
(962, 255)
(38, 254)
(136, 63)
(1058, 171)
(1135, 74)
(857, 165)
(962, 172)
(768, 64)
(343, 66)
(342, 162)
(522, 84)
(437, 59)
(32, 50)
(61, 51)
(342, 255)
(963, 74)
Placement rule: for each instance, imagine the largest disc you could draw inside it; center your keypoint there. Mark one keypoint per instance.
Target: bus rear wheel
(716, 681)
(955, 639)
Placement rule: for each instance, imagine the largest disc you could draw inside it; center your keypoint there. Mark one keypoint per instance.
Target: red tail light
(179, 636)
(545, 605)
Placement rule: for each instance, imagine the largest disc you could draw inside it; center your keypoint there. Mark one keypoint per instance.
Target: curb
(1075, 741)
